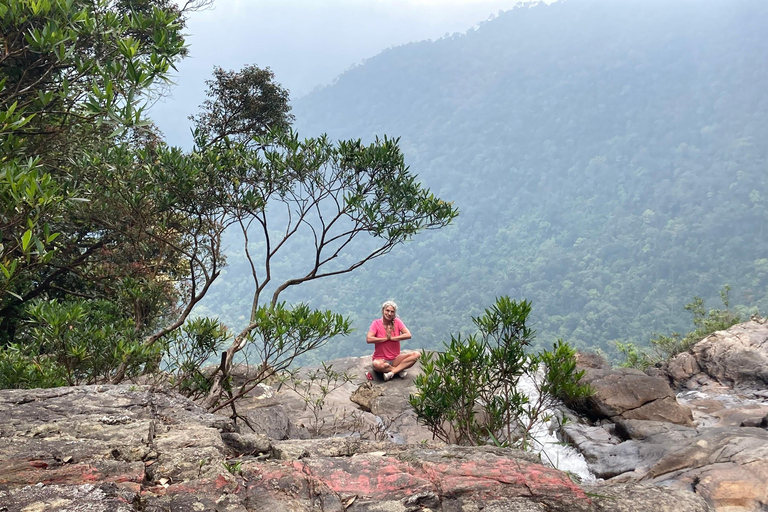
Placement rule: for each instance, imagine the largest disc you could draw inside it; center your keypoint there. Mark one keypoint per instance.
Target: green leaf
(26, 238)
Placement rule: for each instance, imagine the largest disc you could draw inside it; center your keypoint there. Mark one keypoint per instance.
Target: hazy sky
(307, 43)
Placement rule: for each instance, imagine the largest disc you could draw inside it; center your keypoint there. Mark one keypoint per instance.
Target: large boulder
(627, 393)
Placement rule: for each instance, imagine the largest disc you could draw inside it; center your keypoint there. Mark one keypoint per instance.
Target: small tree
(242, 104)
(345, 204)
(470, 393)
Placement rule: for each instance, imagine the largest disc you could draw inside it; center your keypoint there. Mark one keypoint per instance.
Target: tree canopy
(74, 76)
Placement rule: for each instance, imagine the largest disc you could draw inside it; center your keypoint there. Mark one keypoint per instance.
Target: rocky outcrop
(131, 448)
(124, 434)
(719, 448)
(736, 358)
(728, 465)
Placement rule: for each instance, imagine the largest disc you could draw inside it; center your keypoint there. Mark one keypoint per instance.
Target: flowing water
(550, 449)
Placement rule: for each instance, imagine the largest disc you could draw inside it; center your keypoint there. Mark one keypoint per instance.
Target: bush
(186, 350)
(471, 393)
(71, 343)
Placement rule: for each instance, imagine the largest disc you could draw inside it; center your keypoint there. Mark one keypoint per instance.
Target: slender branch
(244, 228)
(311, 277)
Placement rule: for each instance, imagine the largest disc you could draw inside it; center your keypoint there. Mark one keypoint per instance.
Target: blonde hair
(389, 303)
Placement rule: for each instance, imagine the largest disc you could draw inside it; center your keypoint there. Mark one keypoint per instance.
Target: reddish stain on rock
(503, 477)
(383, 476)
(33, 472)
(392, 478)
(388, 477)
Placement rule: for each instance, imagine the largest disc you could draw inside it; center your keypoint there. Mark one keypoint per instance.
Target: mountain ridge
(605, 159)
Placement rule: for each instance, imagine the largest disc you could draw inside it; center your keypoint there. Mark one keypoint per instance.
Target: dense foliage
(607, 158)
(472, 392)
(81, 278)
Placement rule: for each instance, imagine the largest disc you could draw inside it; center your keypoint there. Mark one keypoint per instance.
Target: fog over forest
(608, 159)
(306, 43)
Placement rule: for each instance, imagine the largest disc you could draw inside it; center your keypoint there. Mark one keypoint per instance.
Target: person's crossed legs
(392, 367)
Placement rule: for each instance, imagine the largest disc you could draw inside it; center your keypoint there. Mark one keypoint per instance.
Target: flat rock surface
(385, 413)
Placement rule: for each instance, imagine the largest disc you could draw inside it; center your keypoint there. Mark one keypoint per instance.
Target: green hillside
(608, 160)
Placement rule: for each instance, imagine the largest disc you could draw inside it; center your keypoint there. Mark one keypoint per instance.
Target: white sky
(307, 43)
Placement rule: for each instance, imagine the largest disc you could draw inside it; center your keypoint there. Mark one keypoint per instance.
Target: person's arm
(405, 334)
(371, 336)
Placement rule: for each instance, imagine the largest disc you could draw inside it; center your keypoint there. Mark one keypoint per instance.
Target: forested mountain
(608, 160)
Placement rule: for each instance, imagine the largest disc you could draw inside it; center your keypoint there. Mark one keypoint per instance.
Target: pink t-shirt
(386, 349)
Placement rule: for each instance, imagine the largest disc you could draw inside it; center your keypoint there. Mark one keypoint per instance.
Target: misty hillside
(608, 159)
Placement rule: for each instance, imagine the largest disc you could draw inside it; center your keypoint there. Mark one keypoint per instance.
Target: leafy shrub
(471, 393)
(19, 371)
(634, 356)
(71, 343)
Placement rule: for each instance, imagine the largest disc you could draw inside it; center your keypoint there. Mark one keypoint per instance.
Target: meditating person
(386, 333)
